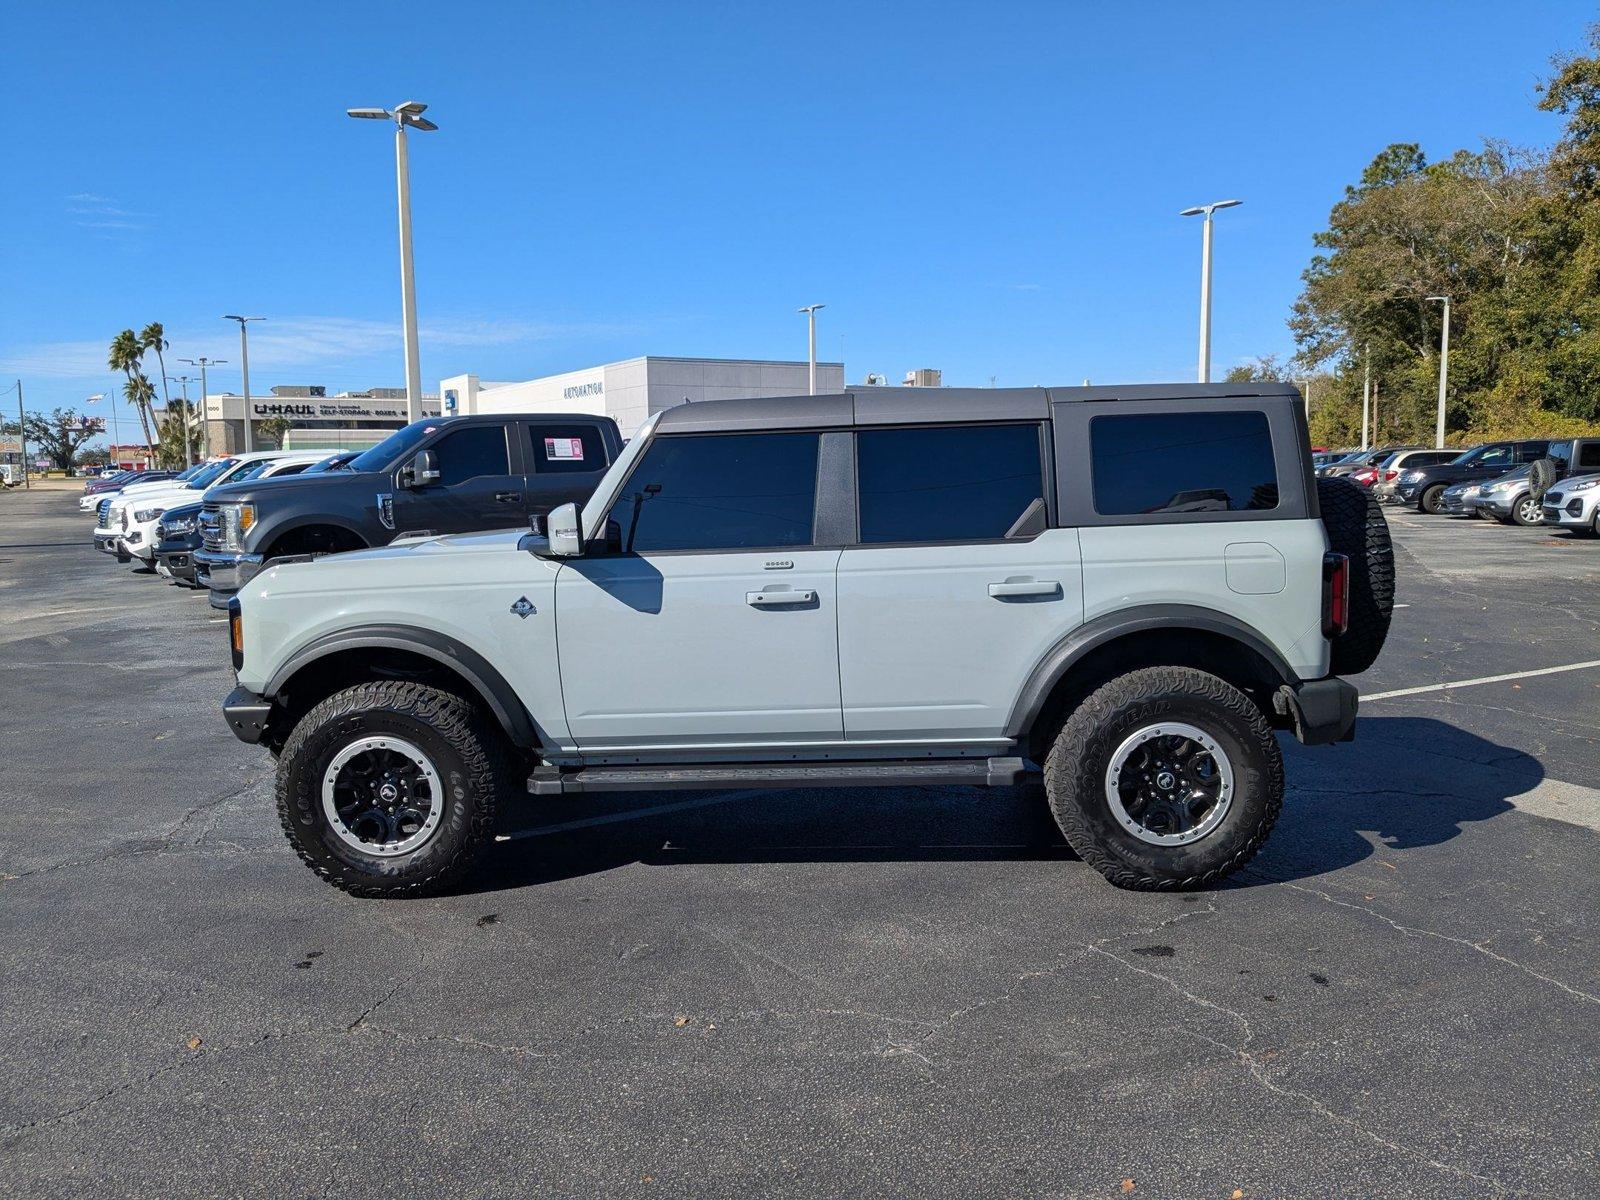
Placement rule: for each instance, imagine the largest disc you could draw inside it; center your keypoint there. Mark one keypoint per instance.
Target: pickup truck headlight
(147, 514)
(181, 525)
(237, 521)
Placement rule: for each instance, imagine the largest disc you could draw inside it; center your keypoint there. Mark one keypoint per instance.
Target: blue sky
(991, 189)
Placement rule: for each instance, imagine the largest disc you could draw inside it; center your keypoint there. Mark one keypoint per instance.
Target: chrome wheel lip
(1206, 742)
(427, 771)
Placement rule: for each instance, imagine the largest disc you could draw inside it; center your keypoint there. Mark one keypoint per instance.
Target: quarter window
(720, 492)
(1182, 463)
(962, 483)
(559, 449)
(471, 452)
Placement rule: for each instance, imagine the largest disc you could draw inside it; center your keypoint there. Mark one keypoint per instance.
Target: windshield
(336, 462)
(209, 474)
(250, 470)
(1561, 451)
(190, 473)
(396, 444)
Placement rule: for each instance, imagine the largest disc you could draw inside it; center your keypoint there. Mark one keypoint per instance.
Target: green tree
(171, 451)
(126, 355)
(153, 338)
(57, 436)
(273, 430)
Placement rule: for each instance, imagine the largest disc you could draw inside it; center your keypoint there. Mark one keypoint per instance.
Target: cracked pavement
(815, 992)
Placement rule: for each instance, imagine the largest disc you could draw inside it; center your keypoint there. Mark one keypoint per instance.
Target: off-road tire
(1357, 529)
(1432, 499)
(1542, 476)
(1075, 774)
(1517, 507)
(470, 754)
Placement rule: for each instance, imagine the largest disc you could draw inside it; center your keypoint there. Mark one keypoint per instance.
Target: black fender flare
(1091, 635)
(475, 670)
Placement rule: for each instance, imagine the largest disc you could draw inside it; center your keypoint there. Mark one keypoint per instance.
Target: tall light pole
(203, 362)
(1205, 279)
(244, 364)
(115, 435)
(409, 113)
(1366, 390)
(1444, 371)
(188, 437)
(811, 321)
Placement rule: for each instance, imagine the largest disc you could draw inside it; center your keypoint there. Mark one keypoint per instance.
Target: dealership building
(346, 420)
(637, 388)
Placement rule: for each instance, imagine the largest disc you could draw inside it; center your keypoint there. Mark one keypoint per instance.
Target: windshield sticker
(567, 449)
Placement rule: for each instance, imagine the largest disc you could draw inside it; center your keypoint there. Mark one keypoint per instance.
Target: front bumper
(108, 541)
(1500, 506)
(247, 714)
(175, 560)
(1578, 512)
(225, 572)
(1322, 710)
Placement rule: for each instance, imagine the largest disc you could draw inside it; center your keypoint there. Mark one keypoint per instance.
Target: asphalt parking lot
(913, 992)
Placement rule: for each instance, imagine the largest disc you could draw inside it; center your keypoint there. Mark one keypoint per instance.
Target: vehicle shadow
(1407, 783)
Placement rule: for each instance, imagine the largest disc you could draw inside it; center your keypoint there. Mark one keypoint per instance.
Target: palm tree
(153, 337)
(125, 355)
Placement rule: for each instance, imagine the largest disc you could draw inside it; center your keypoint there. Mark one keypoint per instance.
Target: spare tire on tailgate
(1356, 529)
(1542, 476)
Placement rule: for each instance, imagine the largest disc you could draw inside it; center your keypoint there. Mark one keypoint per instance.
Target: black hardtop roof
(915, 405)
(484, 418)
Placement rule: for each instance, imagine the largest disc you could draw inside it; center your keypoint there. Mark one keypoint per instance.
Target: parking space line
(1461, 683)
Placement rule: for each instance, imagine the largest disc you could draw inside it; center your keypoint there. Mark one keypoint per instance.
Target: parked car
(97, 488)
(176, 538)
(1521, 501)
(139, 519)
(1424, 486)
(1361, 460)
(117, 512)
(1390, 470)
(895, 586)
(1326, 458)
(442, 474)
(1574, 504)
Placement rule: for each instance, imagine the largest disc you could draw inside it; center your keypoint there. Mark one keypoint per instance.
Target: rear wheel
(1165, 778)
(391, 788)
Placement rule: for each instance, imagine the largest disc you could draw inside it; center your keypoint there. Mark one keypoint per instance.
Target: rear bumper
(1322, 710)
(247, 714)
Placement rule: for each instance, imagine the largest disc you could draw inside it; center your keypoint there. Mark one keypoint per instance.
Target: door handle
(777, 599)
(1024, 587)
(508, 497)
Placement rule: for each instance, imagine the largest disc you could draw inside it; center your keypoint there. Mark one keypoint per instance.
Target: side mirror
(564, 529)
(420, 471)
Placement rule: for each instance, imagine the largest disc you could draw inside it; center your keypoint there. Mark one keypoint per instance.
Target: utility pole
(244, 363)
(188, 436)
(1366, 391)
(1444, 372)
(811, 319)
(1205, 279)
(22, 439)
(203, 362)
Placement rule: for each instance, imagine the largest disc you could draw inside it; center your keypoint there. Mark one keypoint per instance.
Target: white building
(350, 420)
(630, 391)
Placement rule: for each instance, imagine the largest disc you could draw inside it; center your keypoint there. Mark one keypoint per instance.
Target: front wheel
(1165, 778)
(1527, 512)
(1432, 499)
(391, 788)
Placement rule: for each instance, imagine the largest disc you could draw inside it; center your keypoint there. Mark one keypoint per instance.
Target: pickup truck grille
(211, 527)
(102, 510)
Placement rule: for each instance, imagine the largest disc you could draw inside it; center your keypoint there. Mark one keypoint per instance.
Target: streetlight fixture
(1444, 371)
(203, 362)
(811, 321)
(188, 437)
(244, 364)
(1205, 279)
(409, 113)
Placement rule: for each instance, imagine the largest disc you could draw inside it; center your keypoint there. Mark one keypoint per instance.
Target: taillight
(1390, 474)
(1335, 594)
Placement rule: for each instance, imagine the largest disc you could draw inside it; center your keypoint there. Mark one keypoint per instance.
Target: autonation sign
(579, 390)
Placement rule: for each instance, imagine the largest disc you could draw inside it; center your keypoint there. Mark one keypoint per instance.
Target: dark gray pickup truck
(441, 475)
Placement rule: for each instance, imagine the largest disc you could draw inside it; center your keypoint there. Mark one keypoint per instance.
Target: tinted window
(720, 492)
(558, 448)
(1493, 456)
(1588, 455)
(936, 485)
(1182, 463)
(296, 469)
(471, 452)
(1561, 452)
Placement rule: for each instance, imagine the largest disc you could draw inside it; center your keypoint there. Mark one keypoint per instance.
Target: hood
(165, 496)
(493, 541)
(260, 489)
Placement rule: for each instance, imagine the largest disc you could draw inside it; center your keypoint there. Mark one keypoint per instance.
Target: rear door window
(960, 483)
(1175, 463)
(1588, 458)
(559, 449)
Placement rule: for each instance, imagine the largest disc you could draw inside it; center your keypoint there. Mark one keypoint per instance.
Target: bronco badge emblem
(523, 607)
